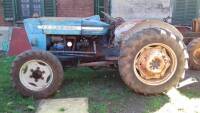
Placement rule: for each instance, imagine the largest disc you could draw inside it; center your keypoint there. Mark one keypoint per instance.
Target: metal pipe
(72, 52)
(101, 63)
(75, 55)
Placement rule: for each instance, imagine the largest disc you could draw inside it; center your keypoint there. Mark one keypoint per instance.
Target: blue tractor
(150, 54)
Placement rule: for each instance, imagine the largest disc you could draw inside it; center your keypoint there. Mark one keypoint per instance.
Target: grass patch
(62, 110)
(155, 103)
(11, 101)
(190, 93)
(101, 87)
(98, 108)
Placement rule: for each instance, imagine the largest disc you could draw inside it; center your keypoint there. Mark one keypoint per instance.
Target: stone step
(69, 105)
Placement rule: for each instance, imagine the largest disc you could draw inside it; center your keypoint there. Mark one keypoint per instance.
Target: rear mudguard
(133, 27)
(136, 26)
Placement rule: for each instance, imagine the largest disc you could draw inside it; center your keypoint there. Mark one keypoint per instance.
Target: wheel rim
(196, 56)
(36, 75)
(155, 64)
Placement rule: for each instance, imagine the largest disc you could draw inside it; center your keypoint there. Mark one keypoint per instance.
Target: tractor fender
(136, 26)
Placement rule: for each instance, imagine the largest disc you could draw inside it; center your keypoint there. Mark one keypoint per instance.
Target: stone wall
(141, 9)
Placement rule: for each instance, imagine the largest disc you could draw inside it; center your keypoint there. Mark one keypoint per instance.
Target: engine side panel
(94, 27)
(69, 27)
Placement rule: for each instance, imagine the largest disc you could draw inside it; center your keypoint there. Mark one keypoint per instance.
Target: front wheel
(37, 73)
(152, 61)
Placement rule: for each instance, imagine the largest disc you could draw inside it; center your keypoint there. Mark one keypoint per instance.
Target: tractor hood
(66, 26)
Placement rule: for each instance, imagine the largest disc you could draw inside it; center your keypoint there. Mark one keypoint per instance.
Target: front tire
(37, 73)
(152, 61)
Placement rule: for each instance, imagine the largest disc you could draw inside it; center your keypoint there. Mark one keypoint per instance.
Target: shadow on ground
(106, 92)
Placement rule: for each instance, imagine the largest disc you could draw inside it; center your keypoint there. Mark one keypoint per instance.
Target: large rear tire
(37, 73)
(194, 53)
(137, 64)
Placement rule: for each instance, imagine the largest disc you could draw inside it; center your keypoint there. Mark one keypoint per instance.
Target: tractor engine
(68, 43)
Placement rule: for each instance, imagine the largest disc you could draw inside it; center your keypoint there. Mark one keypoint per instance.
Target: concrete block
(70, 105)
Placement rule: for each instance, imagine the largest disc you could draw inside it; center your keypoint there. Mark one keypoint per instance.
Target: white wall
(141, 9)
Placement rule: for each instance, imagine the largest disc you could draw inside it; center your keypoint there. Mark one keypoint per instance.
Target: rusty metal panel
(19, 42)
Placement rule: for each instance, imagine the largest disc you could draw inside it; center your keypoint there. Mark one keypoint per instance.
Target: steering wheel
(116, 21)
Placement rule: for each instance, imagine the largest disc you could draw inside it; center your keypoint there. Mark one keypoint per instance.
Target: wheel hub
(37, 74)
(153, 62)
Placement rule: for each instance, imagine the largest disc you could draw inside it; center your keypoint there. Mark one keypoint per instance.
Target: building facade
(180, 11)
(14, 11)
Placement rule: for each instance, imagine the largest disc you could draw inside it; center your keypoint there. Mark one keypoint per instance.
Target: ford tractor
(149, 54)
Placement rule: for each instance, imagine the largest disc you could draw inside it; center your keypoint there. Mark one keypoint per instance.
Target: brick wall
(75, 8)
